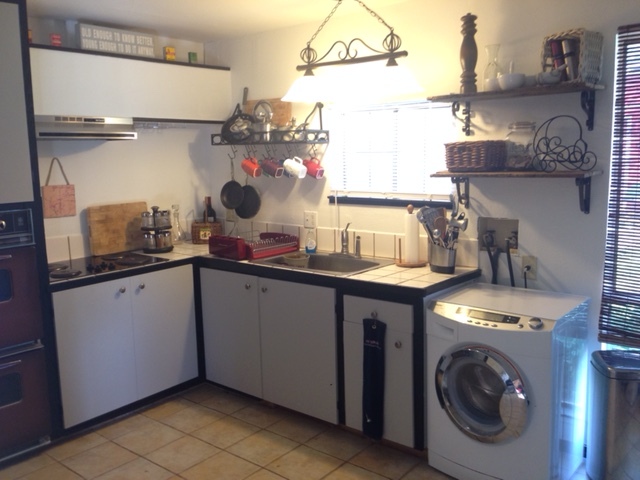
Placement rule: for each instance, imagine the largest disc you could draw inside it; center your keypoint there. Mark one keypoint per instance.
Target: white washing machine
(505, 387)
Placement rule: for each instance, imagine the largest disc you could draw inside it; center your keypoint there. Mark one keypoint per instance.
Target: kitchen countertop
(390, 280)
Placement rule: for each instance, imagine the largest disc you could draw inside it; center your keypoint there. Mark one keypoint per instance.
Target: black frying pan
(250, 203)
(231, 194)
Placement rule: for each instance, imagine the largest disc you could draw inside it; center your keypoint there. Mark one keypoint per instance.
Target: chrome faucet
(344, 237)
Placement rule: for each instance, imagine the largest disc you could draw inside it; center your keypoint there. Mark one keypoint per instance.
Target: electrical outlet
(310, 219)
(532, 262)
(231, 215)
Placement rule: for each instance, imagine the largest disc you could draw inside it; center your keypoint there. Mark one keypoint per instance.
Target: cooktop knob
(535, 323)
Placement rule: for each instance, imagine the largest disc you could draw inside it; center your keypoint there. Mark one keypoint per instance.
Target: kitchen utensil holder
(441, 260)
(478, 156)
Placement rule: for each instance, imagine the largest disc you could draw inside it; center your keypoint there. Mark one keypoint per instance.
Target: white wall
(180, 165)
(569, 244)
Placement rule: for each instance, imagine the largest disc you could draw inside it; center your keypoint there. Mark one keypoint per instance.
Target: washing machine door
(482, 392)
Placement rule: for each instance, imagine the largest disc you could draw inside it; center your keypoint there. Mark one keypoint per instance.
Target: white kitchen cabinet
(16, 183)
(164, 327)
(398, 424)
(298, 332)
(77, 83)
(94, 338)
(272, 339)
(231, 325)
(122, 340)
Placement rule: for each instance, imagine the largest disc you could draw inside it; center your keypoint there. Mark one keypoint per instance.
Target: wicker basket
(480, 156)
(588, 51)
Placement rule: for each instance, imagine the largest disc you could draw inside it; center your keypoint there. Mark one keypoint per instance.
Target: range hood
(71, 127)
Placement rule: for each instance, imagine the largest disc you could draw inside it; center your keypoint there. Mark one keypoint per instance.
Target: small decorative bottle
(178, 234)
(492, 71)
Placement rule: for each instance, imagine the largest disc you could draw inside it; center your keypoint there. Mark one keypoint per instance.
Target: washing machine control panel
(487, 318)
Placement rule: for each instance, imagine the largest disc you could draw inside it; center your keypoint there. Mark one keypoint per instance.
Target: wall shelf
(582, 180)
(587, 99)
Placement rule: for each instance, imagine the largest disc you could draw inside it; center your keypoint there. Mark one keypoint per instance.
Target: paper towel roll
(411, 239)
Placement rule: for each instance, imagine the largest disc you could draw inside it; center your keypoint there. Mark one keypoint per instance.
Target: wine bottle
(209, 214)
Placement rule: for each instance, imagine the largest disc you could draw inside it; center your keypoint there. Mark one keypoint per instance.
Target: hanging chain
(326, 20)
(374, 14)
(333, 10)
(391, 42)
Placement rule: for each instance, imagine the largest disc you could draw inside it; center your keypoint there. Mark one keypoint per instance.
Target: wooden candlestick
(468, 55)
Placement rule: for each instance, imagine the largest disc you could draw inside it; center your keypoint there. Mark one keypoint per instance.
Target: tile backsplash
(372, 244)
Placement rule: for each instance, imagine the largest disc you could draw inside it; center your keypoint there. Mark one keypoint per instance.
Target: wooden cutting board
(115, 228)
(281, 110)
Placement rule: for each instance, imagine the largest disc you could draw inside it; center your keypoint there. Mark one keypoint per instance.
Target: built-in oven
(24, 409)
(24, 403)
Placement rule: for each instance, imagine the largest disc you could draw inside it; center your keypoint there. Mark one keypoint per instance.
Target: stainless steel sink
(336, 264)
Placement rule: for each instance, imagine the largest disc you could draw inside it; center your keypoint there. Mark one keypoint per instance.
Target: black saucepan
(237, 129)
(250, 203)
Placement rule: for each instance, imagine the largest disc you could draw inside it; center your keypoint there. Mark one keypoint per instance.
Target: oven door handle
(10, 364)
(5, 257)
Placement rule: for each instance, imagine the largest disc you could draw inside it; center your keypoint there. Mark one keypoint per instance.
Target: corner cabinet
(123, 340)
(75, 82)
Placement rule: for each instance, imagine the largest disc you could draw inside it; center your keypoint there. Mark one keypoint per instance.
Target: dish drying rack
(252, 246)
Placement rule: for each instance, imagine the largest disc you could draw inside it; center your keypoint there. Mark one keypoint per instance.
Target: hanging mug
(314, 169)
(251, 167)
(295, 168)
(272, 168)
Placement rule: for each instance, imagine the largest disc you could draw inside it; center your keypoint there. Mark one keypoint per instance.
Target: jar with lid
(520, 150)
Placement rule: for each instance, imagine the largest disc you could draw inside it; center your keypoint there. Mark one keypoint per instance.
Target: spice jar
(520, 151)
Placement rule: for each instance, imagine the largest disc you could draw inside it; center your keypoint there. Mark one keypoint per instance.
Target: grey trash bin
(613, 446)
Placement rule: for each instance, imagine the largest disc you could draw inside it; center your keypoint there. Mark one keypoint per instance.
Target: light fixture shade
(308, 89)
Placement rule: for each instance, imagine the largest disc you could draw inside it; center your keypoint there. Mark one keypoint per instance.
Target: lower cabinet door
(398, 423)
(94, 338)
(231, 325)
(298, 330)
(164, 328)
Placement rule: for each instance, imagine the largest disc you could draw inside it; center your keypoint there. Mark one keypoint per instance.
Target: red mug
(272, 168)
(314, 169)
(251, 167)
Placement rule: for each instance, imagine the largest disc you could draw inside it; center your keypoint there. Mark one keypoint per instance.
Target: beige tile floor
(209, 433)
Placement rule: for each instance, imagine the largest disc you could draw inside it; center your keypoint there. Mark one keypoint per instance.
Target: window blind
(390, 150)
(619, 321)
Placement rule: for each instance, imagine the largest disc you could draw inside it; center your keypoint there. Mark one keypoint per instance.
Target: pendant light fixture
(347, 78)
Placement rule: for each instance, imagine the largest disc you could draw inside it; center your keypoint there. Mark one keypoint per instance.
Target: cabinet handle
(141, 286)
(5, 257)
(247, 286)
(264, 289)
(398, 344)
(122, 289)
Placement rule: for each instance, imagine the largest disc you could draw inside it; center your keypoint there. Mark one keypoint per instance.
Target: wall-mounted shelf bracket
(463, 196)
(583, 181)
(584, 193)
(466, 115)
(588, 103)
